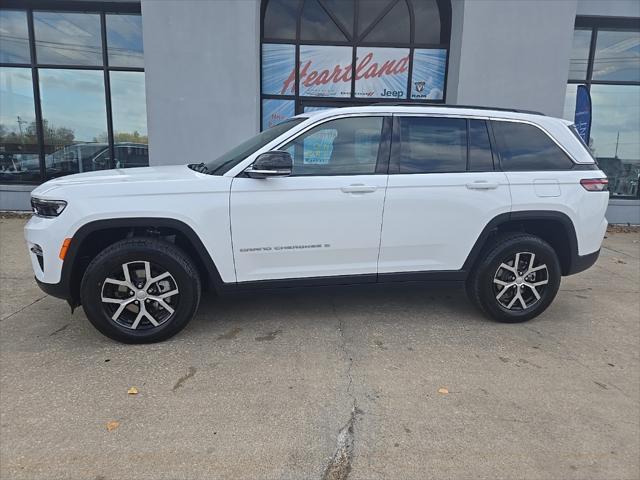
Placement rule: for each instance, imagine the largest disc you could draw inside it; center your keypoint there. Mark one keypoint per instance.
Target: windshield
(225, 162)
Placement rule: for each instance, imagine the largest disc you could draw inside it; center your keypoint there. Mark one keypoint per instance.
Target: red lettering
(402, 65)
(310, 79)
(323, 78)
(364, 69)
(362, 65)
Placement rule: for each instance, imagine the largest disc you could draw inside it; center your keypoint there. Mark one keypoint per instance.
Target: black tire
(161, 256)
(482, 286)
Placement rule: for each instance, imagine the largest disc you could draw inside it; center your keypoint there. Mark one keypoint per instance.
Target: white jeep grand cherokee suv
(506, 201)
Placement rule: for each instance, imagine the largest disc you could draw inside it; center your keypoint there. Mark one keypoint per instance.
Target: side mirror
(271, 164)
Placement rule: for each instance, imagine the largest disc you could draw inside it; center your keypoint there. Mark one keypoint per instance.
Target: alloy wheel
(520, 281)
(141, 295)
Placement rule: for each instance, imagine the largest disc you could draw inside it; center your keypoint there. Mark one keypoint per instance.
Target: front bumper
(58, 290)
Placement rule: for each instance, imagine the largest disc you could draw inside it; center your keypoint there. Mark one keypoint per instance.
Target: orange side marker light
(64, 248)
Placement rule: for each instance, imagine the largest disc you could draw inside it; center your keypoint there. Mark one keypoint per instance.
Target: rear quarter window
(525, 147)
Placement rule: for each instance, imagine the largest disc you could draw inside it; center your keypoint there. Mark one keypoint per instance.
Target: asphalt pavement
(390, 382)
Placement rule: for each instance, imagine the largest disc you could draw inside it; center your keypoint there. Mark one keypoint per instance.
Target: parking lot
(398, 382)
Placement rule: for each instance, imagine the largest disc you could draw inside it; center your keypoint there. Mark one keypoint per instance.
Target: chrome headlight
(47, 208)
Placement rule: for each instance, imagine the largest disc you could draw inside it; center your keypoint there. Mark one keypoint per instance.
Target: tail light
(595, 184)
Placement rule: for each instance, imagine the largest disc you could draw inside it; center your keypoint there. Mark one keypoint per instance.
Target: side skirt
(453, 276)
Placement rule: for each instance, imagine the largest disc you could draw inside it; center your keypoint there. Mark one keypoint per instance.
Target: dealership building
(90, 85)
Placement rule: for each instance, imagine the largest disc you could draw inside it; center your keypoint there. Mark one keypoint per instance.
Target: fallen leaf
(112, 425)
(132, 391)
(443, 390)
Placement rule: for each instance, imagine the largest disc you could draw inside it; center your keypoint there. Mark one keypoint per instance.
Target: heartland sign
(326, 71)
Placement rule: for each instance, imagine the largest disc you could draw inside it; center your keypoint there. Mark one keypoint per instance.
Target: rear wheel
(517, 279)
(140, 290)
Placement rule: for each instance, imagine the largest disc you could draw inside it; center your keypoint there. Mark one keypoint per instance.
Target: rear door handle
(359, 188)
(481, 185)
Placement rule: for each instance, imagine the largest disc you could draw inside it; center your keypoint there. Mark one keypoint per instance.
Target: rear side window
(480, 157)
(430, 144)
(524, 147)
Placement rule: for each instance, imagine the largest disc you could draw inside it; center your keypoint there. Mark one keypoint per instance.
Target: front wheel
(517, 279)
(140, 290)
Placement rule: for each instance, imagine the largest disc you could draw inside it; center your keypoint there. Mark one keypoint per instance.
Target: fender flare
(66, 276)
(574, 261)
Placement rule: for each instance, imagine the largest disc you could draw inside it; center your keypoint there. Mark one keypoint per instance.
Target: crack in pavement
(339, 466)
(23, 308)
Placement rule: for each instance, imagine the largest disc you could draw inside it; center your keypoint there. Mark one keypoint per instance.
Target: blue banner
(583, 113)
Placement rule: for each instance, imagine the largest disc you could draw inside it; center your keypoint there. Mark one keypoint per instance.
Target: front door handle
(482, 185)
(359, 188)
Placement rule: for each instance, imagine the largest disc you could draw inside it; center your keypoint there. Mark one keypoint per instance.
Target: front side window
(525, 147)
(346, 146)
(433, 145)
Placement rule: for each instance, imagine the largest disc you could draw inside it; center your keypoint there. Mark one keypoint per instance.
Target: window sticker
(427, 82)
(325, 71)
(318, 147)
(276, 111)
(278, 63)
(382, 72)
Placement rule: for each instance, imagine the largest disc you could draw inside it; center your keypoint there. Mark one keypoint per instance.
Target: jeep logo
(393, 93)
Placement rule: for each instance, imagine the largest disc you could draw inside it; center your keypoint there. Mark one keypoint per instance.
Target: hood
(122, 179)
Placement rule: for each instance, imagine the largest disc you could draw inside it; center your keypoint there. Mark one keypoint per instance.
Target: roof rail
(474, 107)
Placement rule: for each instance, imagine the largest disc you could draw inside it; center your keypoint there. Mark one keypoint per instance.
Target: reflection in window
(367, 15)
(276, 111)
(124, 40)
(129, 115)
(14, 37)
(427, 21)
(317, 25)
(347, 146)
(280, 19)
(615, 136)
(480, 157)
(343, 11)
(617, 56)
(394, 26)
(68, 38)
(579, 55)
(18, 137)
(430, 145)
(74, 120)
(524, 147)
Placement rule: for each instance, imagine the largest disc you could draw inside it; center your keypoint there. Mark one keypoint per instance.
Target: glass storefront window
(617, 56)
(615, 136)
(74, 120)
(351, 52)
(124, 40)
(70, 75)
(579, 55)
(19, 160)
(613, 81)
(68, 38)
(129, 119)
(14, 37)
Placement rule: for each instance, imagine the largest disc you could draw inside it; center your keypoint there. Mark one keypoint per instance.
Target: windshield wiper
(199, 167)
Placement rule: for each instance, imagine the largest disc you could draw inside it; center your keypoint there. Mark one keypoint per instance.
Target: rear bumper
(582, 262)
